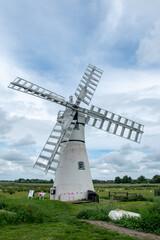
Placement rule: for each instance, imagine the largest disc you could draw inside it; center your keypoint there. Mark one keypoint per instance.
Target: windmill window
(81, 165)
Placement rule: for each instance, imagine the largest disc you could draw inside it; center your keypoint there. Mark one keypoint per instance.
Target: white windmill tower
(65, 151)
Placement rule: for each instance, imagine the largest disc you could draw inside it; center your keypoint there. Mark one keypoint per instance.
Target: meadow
(45, 219)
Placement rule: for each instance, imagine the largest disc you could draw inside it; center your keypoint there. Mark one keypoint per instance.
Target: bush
(95, 214)
(9, 190)
(98, 214)
(3, 203)
(149, 221)
(20, 213)
(7, 218)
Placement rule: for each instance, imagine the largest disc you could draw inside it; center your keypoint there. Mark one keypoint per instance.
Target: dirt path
(122, 230)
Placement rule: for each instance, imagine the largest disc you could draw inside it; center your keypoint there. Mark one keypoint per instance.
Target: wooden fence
(122, 196)
(157, 192)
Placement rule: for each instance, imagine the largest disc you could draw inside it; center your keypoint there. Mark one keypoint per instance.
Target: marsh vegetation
(45, 219)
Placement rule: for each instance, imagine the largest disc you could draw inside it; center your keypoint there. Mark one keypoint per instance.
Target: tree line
(22, 180)
(140, 179)
(124, 179)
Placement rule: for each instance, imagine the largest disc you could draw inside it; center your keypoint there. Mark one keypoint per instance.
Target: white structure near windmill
(65, 152)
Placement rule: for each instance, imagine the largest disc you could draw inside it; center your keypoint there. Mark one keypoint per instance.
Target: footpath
(126, 231)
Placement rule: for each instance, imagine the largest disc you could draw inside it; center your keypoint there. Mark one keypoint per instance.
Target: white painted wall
(70, 182)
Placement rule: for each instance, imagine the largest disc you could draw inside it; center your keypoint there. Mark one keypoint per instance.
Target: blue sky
(51, 43)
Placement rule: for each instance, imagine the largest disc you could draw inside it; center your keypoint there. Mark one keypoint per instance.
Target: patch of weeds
(95, 214)
(3, 203)
(149, 221)
(20, 213)
(143, 198)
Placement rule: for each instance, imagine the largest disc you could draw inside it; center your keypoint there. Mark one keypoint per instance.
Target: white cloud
(52, 48)
(113, 12)
(126, 161)
(24, 141)
(148, 52)
(5, 125)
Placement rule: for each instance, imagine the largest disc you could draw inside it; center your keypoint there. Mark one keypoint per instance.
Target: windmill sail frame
(97, 117)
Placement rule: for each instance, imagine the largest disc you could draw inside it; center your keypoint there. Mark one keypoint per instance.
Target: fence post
(136, 197)
(127, 196)
(155, 192)
(109, 195)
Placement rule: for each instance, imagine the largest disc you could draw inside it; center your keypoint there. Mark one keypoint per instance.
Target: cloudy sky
(50, 43)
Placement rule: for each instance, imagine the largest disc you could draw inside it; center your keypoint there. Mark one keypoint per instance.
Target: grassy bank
(45, 219)
(149, 221)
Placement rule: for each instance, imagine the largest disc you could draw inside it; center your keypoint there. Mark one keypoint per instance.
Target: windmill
(65, 152)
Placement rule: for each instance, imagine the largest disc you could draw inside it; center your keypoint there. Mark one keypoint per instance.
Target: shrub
(7, 218)
(96, 214)
(20, 213)
(3, 203)
(149, 221)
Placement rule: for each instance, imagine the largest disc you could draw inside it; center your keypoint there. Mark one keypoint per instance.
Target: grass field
(147, 190)
(45, 219)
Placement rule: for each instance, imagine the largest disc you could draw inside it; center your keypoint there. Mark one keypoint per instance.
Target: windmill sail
(88, 84)
(25, 86)
(115, 124)
(65, 151)
(49, 157)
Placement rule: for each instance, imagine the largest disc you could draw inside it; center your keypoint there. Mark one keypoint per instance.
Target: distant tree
(27, 180)
(156, 179)
(117, 180)
(126, 179)
(21, 180)
(51, 180)
(129, 179)
(141, 179)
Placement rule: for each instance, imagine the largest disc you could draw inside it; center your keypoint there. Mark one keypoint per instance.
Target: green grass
(71, 230)
(147, 190)
(58, 221)
(149, 221)
(45, 219)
